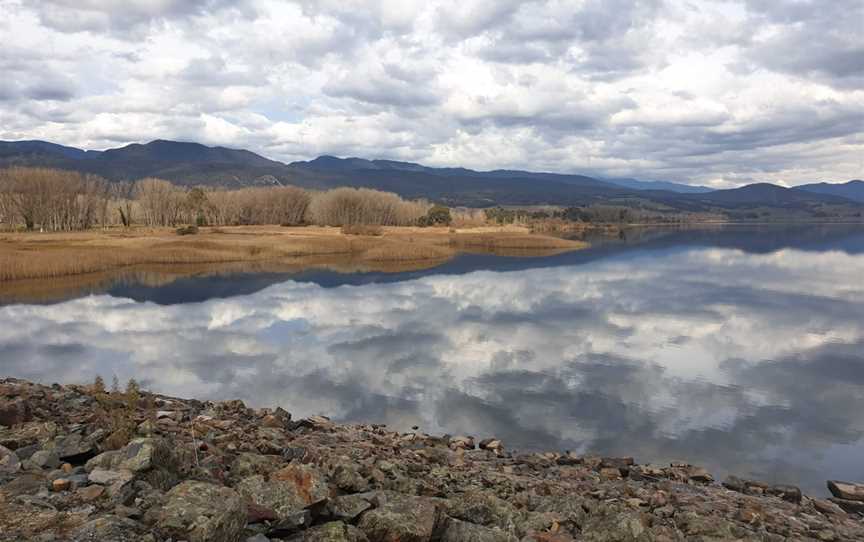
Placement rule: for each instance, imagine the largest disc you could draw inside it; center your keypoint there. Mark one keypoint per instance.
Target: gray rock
(258, 538)
(249, 464)
(73, 448)
(786, 492)
(14, 412)
(9, 461)
(109, 529)
(335, 531)
(846, 490)
(460, 531)
(45, 459)
(26, 452)
(287, 491)
(484, 509)
(404, 519)
(347, 507)
(202, 512)
(853, 507)
(143, 454)
(295, 522)
(25, 484)
(109, 477)
(107, 460)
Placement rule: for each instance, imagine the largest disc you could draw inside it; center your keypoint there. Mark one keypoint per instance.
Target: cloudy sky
(700, 91)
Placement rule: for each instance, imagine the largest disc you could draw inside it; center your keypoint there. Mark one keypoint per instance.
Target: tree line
(59, 200)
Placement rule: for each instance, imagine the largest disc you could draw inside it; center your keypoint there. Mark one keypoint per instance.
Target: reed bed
(33, 255)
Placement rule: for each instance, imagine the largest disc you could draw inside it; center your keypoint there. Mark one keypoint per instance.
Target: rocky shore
(78, 463)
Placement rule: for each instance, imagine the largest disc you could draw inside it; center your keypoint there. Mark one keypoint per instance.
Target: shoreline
(80, 463)
(50, 255)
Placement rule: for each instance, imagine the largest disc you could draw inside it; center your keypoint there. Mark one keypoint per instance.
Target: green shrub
(438, 215)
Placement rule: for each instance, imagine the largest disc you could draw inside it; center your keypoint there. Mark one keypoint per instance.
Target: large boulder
(249, 464)
(73, 448)
(846, 490)
(287, 490)
(202, 512)
(402, 518)
(481, 508)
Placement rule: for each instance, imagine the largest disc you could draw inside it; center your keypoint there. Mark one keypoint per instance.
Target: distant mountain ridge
(853, 190)
(191, 164)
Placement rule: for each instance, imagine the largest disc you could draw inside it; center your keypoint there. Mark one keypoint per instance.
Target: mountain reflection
(744, 362)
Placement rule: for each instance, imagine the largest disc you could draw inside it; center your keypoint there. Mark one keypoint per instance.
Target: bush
(438, 215)
(362, 229)
(187, 230)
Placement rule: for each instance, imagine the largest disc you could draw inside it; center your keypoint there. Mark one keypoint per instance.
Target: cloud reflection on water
(746, 363)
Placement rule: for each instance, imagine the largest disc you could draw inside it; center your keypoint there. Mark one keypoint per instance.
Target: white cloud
(711, 91)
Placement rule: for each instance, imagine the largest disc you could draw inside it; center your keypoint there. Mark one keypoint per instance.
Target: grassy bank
(49, 255)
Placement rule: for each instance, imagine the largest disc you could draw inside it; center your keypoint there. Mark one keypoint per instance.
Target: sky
(719, 93)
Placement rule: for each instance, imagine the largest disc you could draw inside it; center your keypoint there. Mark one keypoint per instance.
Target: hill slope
(853, 190)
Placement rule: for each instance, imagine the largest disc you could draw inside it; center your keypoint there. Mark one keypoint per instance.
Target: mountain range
(191, 164)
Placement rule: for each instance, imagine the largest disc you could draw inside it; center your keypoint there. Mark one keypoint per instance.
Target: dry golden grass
(48, 255)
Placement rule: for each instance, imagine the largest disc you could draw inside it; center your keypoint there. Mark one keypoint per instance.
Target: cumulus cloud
(710, 91)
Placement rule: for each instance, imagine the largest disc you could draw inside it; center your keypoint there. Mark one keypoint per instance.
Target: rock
(109, 529)
(14, 412)
(484, 509)
(248, 464)
(733, 483)
(258, 538)
(26, 452)
(288, 490)
(492, 444)
(699, 475)
(345, 475)
(610, 473)
(255, 513)
(404, 519)
(74, 449)
(90, 493)
(25, 484)
(106, 461)
(346, 507)
(61, 485)
(335, 531)
(461, 442)
(202, 512)
(143, 454)
(621, 463)
(273, 421)
(45, 459)
(146, 428)
(846, 490)
(786, 492)
(109, 477)
(9, 461)
(460, 531)
(853, 507)
(297, 521)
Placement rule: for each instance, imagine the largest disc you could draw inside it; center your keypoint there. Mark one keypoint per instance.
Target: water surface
(739, 349)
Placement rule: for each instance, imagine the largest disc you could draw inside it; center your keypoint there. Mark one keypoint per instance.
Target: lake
(740, 349)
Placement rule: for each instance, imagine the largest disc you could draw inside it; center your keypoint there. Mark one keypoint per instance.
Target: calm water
(738, 349)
